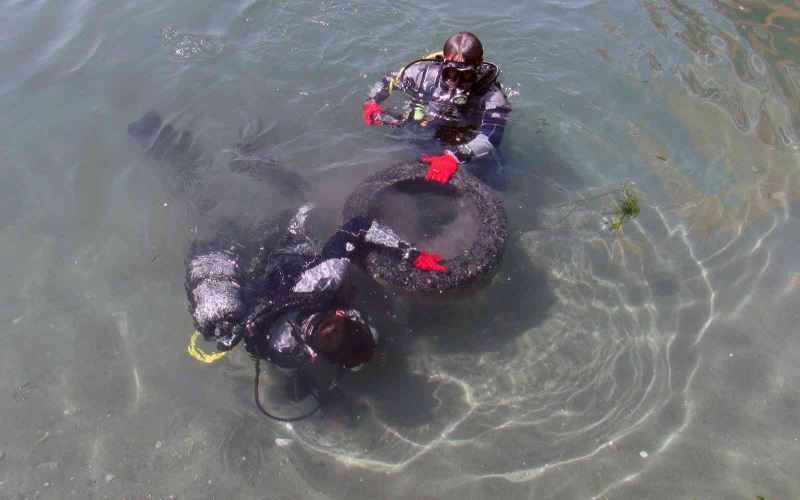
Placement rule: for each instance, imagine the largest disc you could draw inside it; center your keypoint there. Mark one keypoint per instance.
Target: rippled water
(659, 362)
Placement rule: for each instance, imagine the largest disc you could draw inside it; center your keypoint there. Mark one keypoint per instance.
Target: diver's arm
(329, 270)
(409, 79)
(374, 114)
(343, 247)
(490, 132)
(380, 90)
(383, 236)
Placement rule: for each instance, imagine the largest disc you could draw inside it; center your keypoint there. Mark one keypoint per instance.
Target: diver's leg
(296, 230)
(172, 149)
(145, 129)
(255, 158)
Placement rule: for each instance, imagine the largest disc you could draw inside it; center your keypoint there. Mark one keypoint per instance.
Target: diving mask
(459, 75)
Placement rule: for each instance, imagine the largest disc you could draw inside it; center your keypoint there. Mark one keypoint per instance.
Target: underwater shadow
(517, 297)
(483, 320)
(486, 318)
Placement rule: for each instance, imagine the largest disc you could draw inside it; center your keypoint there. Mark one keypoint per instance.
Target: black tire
(462, 271)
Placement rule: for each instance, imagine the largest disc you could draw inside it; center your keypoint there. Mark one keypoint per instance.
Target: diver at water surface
(456, 92)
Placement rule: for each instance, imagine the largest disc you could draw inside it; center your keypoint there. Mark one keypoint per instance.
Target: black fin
(145, 128)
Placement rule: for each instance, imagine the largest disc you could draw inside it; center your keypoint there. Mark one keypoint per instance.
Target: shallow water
(658, 362)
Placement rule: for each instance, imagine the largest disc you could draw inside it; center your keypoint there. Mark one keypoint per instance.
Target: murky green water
(659, 362)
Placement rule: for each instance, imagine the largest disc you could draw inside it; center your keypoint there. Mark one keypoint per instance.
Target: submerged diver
(280, 296)
(274, 288)
(455, 91)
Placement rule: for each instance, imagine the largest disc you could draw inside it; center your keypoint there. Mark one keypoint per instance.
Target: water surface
(656, 362)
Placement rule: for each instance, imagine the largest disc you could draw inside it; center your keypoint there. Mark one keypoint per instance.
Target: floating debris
(42, 439)
(544, 123)
(283, 443)
(22, 392)
(110, 477)
(189, 446)
(643, 454)
(604, 54)
(655, 64)
(48, 466)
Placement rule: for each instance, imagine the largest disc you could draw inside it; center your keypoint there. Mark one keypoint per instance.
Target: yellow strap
(394, 81)
(198, 353)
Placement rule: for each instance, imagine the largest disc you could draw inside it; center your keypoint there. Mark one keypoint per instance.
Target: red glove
(442, 167)
(429, 262)
(371, 110)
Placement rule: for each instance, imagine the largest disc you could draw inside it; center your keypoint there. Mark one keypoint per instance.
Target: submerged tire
(462, 271)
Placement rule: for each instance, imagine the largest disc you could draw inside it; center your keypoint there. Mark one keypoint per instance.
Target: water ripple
(604, 374)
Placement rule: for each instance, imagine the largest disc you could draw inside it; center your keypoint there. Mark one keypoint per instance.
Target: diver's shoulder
(494, 97)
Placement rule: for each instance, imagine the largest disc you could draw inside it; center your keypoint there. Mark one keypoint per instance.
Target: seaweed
(627, 207)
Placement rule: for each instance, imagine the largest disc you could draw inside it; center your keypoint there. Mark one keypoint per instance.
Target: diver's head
(463, 56)
(342, 337)
(463, 47)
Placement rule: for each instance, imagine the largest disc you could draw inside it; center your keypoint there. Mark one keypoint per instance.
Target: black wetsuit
(273, 294)
(483, 116)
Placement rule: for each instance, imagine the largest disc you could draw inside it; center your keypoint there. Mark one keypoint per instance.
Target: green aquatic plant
(628, 208)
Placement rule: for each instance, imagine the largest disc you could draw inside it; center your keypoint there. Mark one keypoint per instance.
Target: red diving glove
(371, 111)
(429, 262)
(442, 166)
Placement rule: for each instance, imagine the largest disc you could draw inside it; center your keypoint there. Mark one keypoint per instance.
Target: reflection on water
(746, 75)
(604, 368)
(592, 365)
(185, 47)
